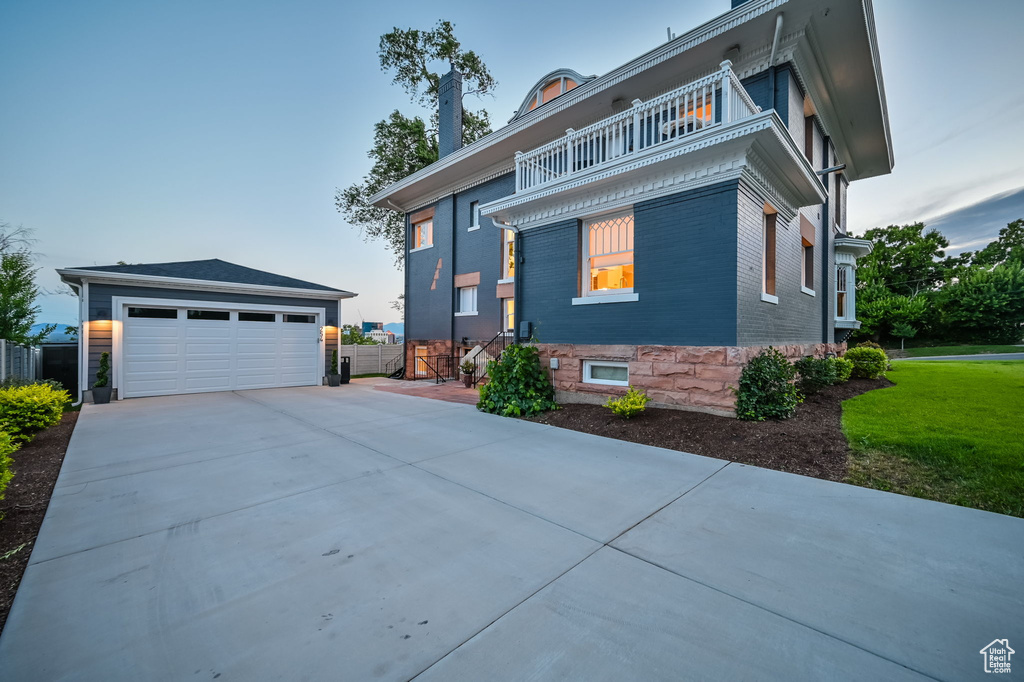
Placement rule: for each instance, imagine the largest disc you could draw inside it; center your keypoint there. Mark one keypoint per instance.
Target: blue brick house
(658, 225)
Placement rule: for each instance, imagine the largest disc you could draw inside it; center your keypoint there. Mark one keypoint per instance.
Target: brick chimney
(449, 109)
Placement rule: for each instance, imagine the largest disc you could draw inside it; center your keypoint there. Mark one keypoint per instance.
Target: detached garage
(200, 326)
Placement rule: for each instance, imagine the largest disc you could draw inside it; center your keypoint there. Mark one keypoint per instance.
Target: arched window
(552, 90)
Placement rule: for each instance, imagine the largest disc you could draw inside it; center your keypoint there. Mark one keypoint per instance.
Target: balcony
(706, 131)
(675, 116)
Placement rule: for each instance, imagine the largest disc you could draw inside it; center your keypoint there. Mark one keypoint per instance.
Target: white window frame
(851, 301)
(508, 320)
(418, 361)
(507, 237)
(588, 366)
(472, 292)
(617, 295)
(474, 216)
(765, 296)
(416, 234)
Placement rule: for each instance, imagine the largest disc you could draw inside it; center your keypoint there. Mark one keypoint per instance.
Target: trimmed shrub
(7, 448)
(868, 363)
(766, 388)
(334, 361)
(868, 344)
(844, 368)
(518, 385)
(103, 371)
(631, 404)
(815, 374)
(27, 410)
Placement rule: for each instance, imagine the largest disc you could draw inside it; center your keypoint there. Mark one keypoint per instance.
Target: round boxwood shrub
(27, 410)
(766, 388)
(844, 368)
(815, 374)
(868, 363)
(517, 385)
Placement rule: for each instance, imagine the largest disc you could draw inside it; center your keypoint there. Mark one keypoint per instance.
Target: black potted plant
(333, 377)
(468, 369)
(101, 389)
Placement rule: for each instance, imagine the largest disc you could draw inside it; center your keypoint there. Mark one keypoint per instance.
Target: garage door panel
(165, 356)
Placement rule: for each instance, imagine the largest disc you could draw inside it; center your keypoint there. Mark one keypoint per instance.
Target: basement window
(606, 372)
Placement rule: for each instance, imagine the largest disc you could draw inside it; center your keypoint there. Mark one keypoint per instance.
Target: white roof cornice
(123, 278)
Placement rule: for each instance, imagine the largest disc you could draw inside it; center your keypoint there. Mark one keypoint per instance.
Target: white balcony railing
(684, 112)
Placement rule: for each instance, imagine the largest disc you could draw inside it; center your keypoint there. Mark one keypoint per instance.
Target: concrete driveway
(352, 534)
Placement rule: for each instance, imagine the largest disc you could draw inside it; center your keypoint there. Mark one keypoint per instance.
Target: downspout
(771, 61)
(405, 301)
(826, 271)
(81, 333)
(451, 300)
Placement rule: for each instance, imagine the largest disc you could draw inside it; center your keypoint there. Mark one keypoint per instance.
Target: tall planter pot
(334, 380)
(101, 396)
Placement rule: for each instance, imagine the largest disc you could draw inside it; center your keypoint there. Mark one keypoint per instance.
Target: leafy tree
(907, 259)
(351, 334)
(18, 293)
(903, 331)
(1008, 246)
(402, 144)
(985, 306)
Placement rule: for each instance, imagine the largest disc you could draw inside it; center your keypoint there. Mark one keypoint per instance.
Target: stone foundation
(697, 378)
(434, 347)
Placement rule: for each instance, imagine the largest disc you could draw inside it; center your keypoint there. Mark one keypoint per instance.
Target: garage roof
(212, 270)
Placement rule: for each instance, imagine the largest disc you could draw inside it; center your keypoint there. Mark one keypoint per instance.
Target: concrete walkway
(353, 534)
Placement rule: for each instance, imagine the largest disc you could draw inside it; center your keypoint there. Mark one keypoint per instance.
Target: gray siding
(100, 296)
(480, 250)
(797, 316)
(428, 312)
(685, 258)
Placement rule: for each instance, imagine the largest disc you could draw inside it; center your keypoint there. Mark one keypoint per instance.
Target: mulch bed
(811, 443)
(36, 466)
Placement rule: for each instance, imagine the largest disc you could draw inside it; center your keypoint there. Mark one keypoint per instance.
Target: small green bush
(844, 368)
(629, 405)
(27, 410)
(334, 361)
(766, 388)
(868, 344)
(7, 448)
(518, 386)
(103, 372)
(815, 374)
(868, 363)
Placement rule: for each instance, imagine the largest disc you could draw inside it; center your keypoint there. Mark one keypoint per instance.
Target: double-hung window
(474, 215)
(467, 301)
(508, 255)
(423, 234)
(844, 293)
(608, 255)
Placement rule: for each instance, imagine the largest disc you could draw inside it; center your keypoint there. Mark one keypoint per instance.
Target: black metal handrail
(442, 367)
(493, 348)
(395, 367)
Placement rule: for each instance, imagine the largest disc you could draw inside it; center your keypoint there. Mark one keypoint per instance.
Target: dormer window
(552, 90)
(558, 82)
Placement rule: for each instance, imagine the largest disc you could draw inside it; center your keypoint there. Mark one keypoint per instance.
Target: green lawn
(960, 350)
(947, 431)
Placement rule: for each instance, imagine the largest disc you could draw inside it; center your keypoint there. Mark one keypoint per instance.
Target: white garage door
(193, 350)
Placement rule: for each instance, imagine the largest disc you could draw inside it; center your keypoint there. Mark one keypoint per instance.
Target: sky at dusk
(163, 131)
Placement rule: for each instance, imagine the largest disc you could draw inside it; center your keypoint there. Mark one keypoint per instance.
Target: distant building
(391, 337)
(370, 326)
(378, 335)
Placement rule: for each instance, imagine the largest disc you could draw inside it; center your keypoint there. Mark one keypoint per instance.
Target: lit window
(768, 253)
(508, 254)
(474, 214)
(508, 307)
(605, 372)
(420, 362)
(844, 298)
(467, 300)
(608, 252)
(808, 269)
(552, 90)
(423, 234)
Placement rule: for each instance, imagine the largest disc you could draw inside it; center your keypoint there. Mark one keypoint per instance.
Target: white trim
(469, 314)
(118, 278)
(473, 228)
(421, 248)
(589, 365)
(607, 298)
(507, 280)
(119, 303)
(809, 292)
(768, 298)
(83, 336)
